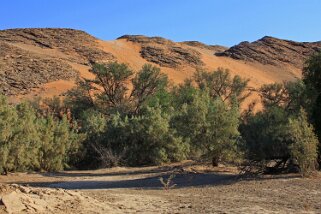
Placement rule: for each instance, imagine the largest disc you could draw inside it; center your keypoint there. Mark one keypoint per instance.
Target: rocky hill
(273, 51)
(46, 61)
(24, 64)
(165, 52)
(78, 45)
(215, 48)
(21, 70)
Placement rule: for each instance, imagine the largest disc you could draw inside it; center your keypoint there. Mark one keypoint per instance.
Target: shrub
(34, 142)
(304, 143)
(209, 125)
(147, 138)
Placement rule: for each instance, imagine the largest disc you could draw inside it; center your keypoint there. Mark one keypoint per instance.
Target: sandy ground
(199, 189)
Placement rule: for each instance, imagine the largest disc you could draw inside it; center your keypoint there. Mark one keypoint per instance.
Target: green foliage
(151, 123)
(147, 138)
(93, 125)
(312, 78)
(304, 143)
(32, 142)
(221, 85)
(316, 120)
(58, 143)
(209, 125)
(80, 98)
(8, 121)
(290, 96)
(281, 131)
(148, 81)
(265, 135)
(25, 141)
(109, 91)
(312, 71)
(111, 78)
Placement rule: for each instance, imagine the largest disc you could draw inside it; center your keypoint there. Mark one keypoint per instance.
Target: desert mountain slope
(273, 51)
(47, 61)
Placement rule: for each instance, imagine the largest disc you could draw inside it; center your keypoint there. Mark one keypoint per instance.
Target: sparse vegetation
(168, 183)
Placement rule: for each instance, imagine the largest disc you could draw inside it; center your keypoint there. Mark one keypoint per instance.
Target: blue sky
(225, 22)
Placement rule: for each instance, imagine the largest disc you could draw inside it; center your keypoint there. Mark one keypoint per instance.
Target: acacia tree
(112, 79)
(136, 127)
(220, 84)
(147, 82)
(290, 96)
(109, 91)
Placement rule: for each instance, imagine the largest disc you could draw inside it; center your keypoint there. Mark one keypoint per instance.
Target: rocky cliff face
(22, 69)
(78, 45)
(273, 51)
(165, 52)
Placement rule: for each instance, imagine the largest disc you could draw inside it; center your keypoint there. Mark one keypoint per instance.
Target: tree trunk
(215, 161)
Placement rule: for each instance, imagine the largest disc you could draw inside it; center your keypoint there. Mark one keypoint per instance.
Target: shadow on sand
(181, 181)
(136, 178)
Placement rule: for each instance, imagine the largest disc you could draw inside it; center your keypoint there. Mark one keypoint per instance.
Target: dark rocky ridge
(165, 52)
(273, 51)
(21, 69)
(78, 45)
(215, 48)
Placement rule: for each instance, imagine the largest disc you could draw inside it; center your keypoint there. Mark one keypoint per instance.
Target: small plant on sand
(168, 183)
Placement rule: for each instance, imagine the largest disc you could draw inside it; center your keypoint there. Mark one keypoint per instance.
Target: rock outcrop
(214, 48)
(273, 51)
(79, 46)
(165, 52)
(22, 68)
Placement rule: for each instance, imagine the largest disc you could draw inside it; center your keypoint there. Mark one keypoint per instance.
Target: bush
(304, 143)
(209, 125)
(58, 143)
(147, 139)
(33, 142)
(265, 135)
(312, 79)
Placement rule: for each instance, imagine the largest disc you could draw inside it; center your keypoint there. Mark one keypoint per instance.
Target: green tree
(147, 138)
(109, 91)
(147, 82)
(304, 143)
(59, 143)
(25, 142)
(312, 78)
(312, 71)
(209, 125)
(94, 125)
(265, 135)
(220, 84)
(290, 96)
(8, 121)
